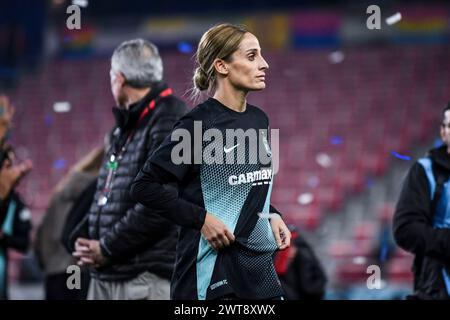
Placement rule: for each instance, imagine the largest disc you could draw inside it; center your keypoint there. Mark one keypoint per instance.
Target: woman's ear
(221, 67)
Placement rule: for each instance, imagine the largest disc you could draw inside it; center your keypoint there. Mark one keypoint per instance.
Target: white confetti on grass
(394, 18)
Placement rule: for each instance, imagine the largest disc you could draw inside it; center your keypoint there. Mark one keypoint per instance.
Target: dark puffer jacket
(134, 238)
(415, 228)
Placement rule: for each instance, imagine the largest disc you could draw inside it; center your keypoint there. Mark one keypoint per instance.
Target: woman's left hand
(281, 232)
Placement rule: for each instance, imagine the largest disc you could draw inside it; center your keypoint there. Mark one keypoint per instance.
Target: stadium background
(354, 107)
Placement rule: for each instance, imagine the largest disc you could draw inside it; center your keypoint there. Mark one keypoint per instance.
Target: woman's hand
(280, 231)
(216, 232)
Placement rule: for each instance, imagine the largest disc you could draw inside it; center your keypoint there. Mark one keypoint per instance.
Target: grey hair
(139, 62)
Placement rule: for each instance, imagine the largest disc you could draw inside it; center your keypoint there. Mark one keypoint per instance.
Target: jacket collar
(126, 119)
(440, 156)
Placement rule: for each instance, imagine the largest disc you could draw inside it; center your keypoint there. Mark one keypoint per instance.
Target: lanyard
(113, 162)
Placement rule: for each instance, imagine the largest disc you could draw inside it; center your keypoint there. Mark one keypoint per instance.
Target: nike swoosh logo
(226, 150)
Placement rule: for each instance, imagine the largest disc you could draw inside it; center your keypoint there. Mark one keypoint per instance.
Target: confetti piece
(394, 18)
(336, 57)
(313, 181)
(59, 164)
(323, 160)
(402, 157)
(370, 182)
(438, 143)
(61, 107)
(25, 215)
(48, 120)
(81, 3)
(359, 260)
(305, 198)
(335, 140)
(185, 47)
(384, 252)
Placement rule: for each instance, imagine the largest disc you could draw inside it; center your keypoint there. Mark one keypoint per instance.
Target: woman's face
(247, 68)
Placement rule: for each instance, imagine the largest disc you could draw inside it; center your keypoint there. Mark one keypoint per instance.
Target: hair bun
(201, 79)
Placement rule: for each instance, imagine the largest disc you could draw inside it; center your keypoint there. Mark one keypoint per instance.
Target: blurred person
(422, 219)
(15, 223)
(384, 246)
(131, 248)
(301, 273)
(76, 224)
(225, 249)
(15, 217)
(6, 116)
(52, 255)
(10, 170)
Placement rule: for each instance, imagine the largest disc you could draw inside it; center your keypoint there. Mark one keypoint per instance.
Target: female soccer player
(226, 246)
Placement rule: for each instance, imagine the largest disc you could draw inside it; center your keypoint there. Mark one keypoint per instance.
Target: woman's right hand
(216, 232)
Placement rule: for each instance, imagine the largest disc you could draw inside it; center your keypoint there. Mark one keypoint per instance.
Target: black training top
(225, 174)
